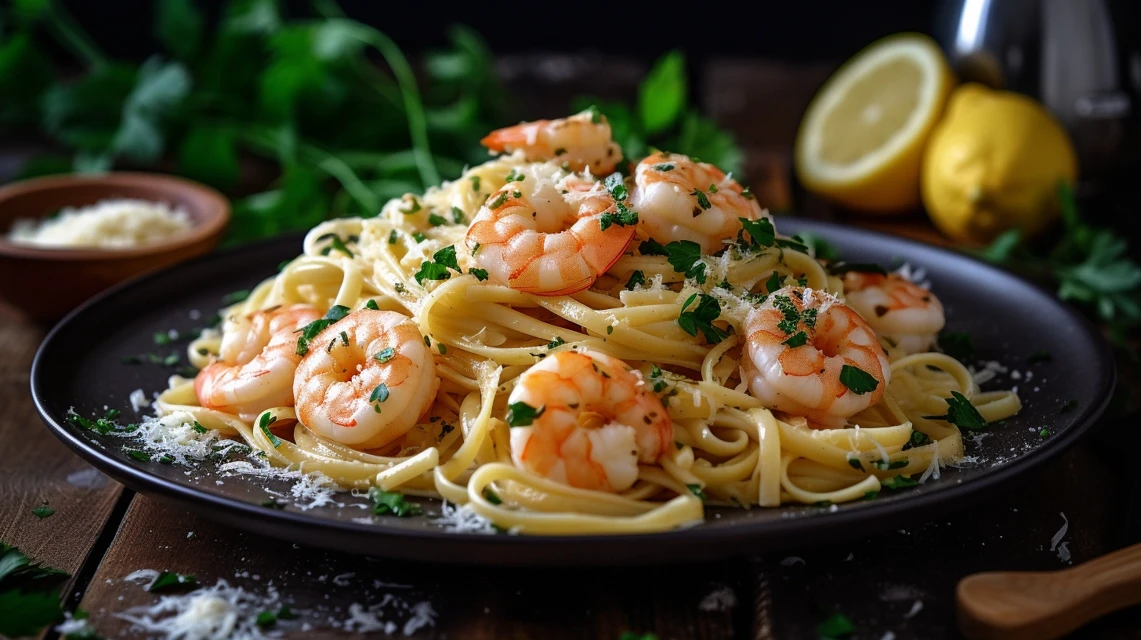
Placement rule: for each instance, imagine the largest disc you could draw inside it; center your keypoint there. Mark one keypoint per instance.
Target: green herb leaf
(26, 613)
(836, 625)
(701, 318)
(480, 274)
(685, 257)
(379, 393)
(961, 413)
(615, 184)
(857, 380)
(898, 482)
(796, 340)
(492, 497)
(917, 439)
(556, 343)
(957, 344)
(266, 619)
(234, 297)
(310, 331)
(458, 216)
(761, 232)
(696, 490)
(661, 95)
(273, 503)
(264, 424)
(43, 511)
(371, 304)
(623, 217)
(637, 279)
(702, 199)
(171, 581)
(386, 354)
(521, 414)
(652, 247)
(392, 503)
(498, 201)
(856, 464)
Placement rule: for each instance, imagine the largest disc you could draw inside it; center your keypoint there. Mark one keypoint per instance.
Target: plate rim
(239, 514)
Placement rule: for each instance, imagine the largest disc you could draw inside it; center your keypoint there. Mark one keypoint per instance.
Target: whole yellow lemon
(994, 163)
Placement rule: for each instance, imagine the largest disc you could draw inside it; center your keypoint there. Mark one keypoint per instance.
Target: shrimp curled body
(807, 380)
(366, 380)
(678, 198)
(544, 234)
(596, 421)
(583, 141)
(905, 314)
(255, 364)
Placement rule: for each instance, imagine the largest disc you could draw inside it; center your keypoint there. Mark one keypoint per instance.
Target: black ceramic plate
(79, 365)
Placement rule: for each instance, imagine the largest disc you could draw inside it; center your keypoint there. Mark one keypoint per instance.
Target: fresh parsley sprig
(701, 318)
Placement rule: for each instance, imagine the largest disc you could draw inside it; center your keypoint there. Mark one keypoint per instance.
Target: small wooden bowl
(46, 283)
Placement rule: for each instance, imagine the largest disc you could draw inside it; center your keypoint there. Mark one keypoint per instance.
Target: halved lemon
(861, 140)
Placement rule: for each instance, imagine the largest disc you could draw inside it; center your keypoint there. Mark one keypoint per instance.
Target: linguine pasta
(728, 448)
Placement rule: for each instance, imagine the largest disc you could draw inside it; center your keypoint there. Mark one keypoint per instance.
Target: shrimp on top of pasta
(567, 340)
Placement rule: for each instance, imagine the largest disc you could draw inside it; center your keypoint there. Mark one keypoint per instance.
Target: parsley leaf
(701, 318)
(480, 274)
(637, 279)
(521, 414)
(384, 355)
(702, 199)
(836, 625)
(458, 216)
(652, 247)
(371, 304)
(264, 423)
(310, 331)
(436, 220)
(696, 490)
(957, 344)
(26, 613)
(917, 439)
(857, 380)
(437, 269)
(379, 394)
(392, 503)
(685, 257)
(796, 340)
(961, 413)
(616, 185)
(761, 232)
(43, 511)
(557, 342)
(623, 217)
(171, 581)
(898, 482)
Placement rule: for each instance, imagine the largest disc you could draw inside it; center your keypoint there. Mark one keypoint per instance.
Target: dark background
(816, 30)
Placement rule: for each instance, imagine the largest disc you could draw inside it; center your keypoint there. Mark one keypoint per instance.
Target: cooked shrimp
(366, 380)
(809, 380)
(903, 313)
(256, 361)
(545, 234)
(679, 199)
(594, 421)
(583, 141)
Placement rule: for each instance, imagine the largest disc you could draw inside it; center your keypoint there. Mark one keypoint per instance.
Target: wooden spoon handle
(1048, 604)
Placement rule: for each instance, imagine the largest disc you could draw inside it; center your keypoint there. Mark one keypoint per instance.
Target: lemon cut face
(861, 141)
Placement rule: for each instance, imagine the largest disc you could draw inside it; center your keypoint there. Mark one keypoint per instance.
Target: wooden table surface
(900, 582)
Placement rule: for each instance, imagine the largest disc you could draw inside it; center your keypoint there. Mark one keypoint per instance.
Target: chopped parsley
(266, 619)
(443, 348)
(1044, 433)
(499, 200)
(696, 490)
(273, 503)
(102, 426)
(492, 497)
(857, 380)
(384, 355)
(701, 318)
(521, 414)
(658, 381)
(436, 220)
(310, 331)
(794, 243)
(652, 247)
(474, 182)
(773, 283)
(890, 464)
(637, 279)
(379, 393)
(371, 304)
(685, 257)
(855, 464)
(135, 454)
(609, 329)
(393, 236)
(841, 267)
(43, 511)
(515, 176)
(898, 482)
(458, 216)
(664, 167)
(556, 343)
(480, 274)
(170, 581)
(163, 338)
(418, 237)
(392, 503)
(961, 413)
(798, 339)
(791, 319)
(437, 268)
(917, 439)
(957, 344)
(595, 114)
(413, 206)
(616, 185)
(623, 217)
(198, 428)
(836, 625)
(234, 297)
(761, 232)
(702, 199)
(264, 423)
(337, 245)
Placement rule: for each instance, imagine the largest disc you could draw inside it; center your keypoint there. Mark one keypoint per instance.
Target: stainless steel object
(1080, 58)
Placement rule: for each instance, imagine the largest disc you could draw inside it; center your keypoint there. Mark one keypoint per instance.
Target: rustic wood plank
(470, 602)
(35, 468)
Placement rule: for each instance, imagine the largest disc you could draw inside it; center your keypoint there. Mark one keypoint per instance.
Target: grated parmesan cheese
(720, 599)
(107, 224)
(139, 400)
(462, 519)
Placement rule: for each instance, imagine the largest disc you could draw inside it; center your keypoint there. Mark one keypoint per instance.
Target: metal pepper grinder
(1080, 58)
